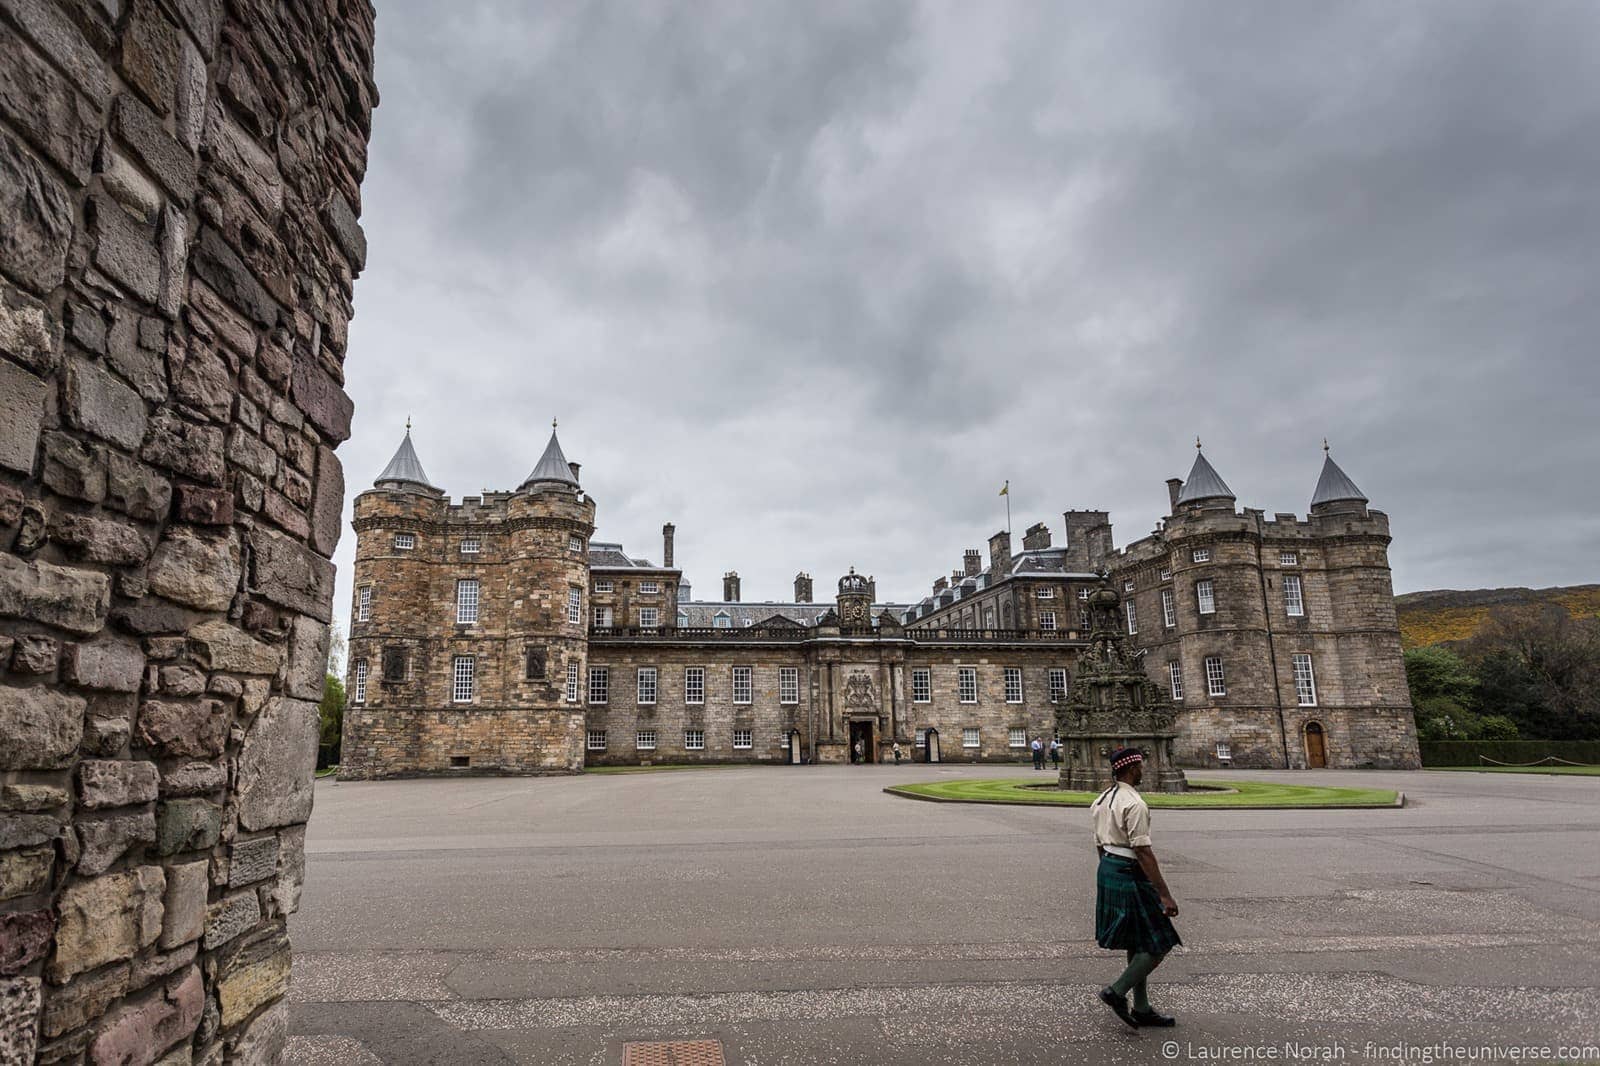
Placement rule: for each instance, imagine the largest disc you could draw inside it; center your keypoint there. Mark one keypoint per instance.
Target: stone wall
(179, 186)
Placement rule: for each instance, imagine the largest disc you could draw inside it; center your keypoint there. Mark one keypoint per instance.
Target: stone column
(179, 187)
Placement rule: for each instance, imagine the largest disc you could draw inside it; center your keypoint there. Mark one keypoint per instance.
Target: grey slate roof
(552, 466)
(608, 555)
(703, 613)
(405, 467)
(1203, 483)
(1335, 484)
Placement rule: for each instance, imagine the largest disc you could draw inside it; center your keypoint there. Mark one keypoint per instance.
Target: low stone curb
(1399, 801)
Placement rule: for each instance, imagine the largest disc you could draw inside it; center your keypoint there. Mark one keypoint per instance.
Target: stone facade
(179, 187)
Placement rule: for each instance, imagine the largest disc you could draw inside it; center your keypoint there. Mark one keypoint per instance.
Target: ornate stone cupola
(855, 601)
(1114, 704)
(404, 472)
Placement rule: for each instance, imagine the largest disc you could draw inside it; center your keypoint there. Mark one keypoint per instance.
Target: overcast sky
(812, 280)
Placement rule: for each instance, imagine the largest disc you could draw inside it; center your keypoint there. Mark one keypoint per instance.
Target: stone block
(220, 646)
(109, 723)
(38, 214)
(102, 841)
(144, 367)
(188, 825)
(205, 384)
(129, 187)
(191, 99)
(70, 599)
(42, 727)
(56, 35)
(44, 107)
(125, 249)
(19, 1013)
(152, 966)
(199, 570)
(194, 728)
(74, 468)
(10, 515)
(181, 681)
(24, 937)
(250, 861)
(86, 326)
(205, 506)
(83, 999)
(23, 796)
(108, 664)
(150, 54)
(183, 447)
(139, 1031)
(247, 450)
(35, 653)
(341, 219)
(106, 919)
(188, 886)
(106, 783)
(291, 869)
(277, 763)
(24, 872)
(328, 504)
(325, 404)
(193, 779)
(230, 916)
(253, 978)
(174, 260)
(291, 575)
(232, 329)
(172, 164)
(98, 403)
(239, 156)
(263, 1040)
(308, 658)
(28, 333)
(220, 267)
(27, 830)
(22, 399)
(100, 540)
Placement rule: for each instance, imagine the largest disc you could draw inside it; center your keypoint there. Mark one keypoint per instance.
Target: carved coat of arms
(858, 696)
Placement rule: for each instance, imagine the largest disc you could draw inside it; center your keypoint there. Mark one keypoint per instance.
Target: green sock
(1140, 963)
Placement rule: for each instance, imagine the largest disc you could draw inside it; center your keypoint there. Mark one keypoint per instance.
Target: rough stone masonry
(179, 187)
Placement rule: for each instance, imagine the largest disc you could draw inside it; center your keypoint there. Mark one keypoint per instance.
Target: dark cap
(1125, 757)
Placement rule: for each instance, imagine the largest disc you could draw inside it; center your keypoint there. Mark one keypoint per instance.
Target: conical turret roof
(1203, 482)
(405, 468)
(1335, 485)
(552, 465)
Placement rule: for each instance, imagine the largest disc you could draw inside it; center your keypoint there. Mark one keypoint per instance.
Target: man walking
(1038, 754)
(1133, 906)
(1055, 754)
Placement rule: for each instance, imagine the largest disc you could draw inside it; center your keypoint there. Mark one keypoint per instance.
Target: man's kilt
(1127, 909)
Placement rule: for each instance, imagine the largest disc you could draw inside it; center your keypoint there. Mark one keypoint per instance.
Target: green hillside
(1444, 615)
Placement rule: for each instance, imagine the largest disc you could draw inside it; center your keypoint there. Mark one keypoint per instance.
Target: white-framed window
(574, 544)
(645, 740)
(1202, 555)
(1083, 595)
(466, 601)
(694, 740)
(1017, 738)
(1224, 751)
(649, 587)
(1293, 602)
(921, 685)
(967, 684)
(1058, 684)
(1166, 573)
(1046, 592)
(597, 740)
(1083, 619)
(988, 618)
(788, 684)
(1205, 596)
(1047, 621)
(574, 605)
(1305, 681)
(1288, 558)
(1013, 684)
(722, 620)
(742, 740)
(358, 681)
(683, 619)
(741, 684)
(364, 603)
(969, 737)
(471, 545)
(922, 738)
(606, 585)
(599, 684)
(1133, 617)
(647, 684)
(1127, 585)
(463, 679)
(694, 684)
(600, 617)
(1215, 685)
(572, 681)
(1169, 608)
(1175, 671)
(649, 617)
(404, 542)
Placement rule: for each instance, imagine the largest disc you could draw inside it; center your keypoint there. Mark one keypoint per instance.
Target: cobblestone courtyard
(802, 916)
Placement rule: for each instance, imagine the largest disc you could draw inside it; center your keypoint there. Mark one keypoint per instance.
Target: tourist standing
(860, 751)
(1133, 906)
(1055, 753)
(1038, 754)
(897, 753)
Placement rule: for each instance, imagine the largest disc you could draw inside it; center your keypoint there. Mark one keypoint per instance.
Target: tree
(331, 711)
(1436, 672)
(1541, 668)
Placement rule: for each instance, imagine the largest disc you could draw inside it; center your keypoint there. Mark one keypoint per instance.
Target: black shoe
(1118, 1005)
(1153, 1019)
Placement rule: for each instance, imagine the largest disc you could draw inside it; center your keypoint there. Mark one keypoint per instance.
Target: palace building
(495, 635)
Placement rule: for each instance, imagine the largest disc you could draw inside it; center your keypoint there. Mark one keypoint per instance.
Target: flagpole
(1007, 495)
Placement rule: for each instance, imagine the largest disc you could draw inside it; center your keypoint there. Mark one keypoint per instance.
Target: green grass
(1561, 771)
(1215, 795)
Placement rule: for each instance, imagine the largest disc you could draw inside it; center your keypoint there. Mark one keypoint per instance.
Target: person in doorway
(1038, 754)
(1055, 753)
(1133, 907)
(860, 752)
(897, 753)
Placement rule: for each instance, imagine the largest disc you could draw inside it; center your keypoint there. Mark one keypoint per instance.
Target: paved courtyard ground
(799, 915)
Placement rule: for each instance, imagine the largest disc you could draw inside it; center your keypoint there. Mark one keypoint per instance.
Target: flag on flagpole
(1005, 490)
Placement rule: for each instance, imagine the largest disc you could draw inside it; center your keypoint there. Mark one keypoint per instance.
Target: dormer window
(722, 620)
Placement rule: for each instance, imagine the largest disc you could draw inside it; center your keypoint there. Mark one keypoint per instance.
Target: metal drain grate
(673, 1053)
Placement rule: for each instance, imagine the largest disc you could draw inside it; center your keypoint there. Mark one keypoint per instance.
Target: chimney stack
(1000, 554)
(574, 468)
(666, 544)
(872, 589)
(1036, 536)
(939, 585)
(802, 588)
(1174, 486)
(730, 587)
(972, 562)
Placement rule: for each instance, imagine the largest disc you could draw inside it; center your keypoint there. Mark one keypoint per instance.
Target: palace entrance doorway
(863, 748)
(1316, 746)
